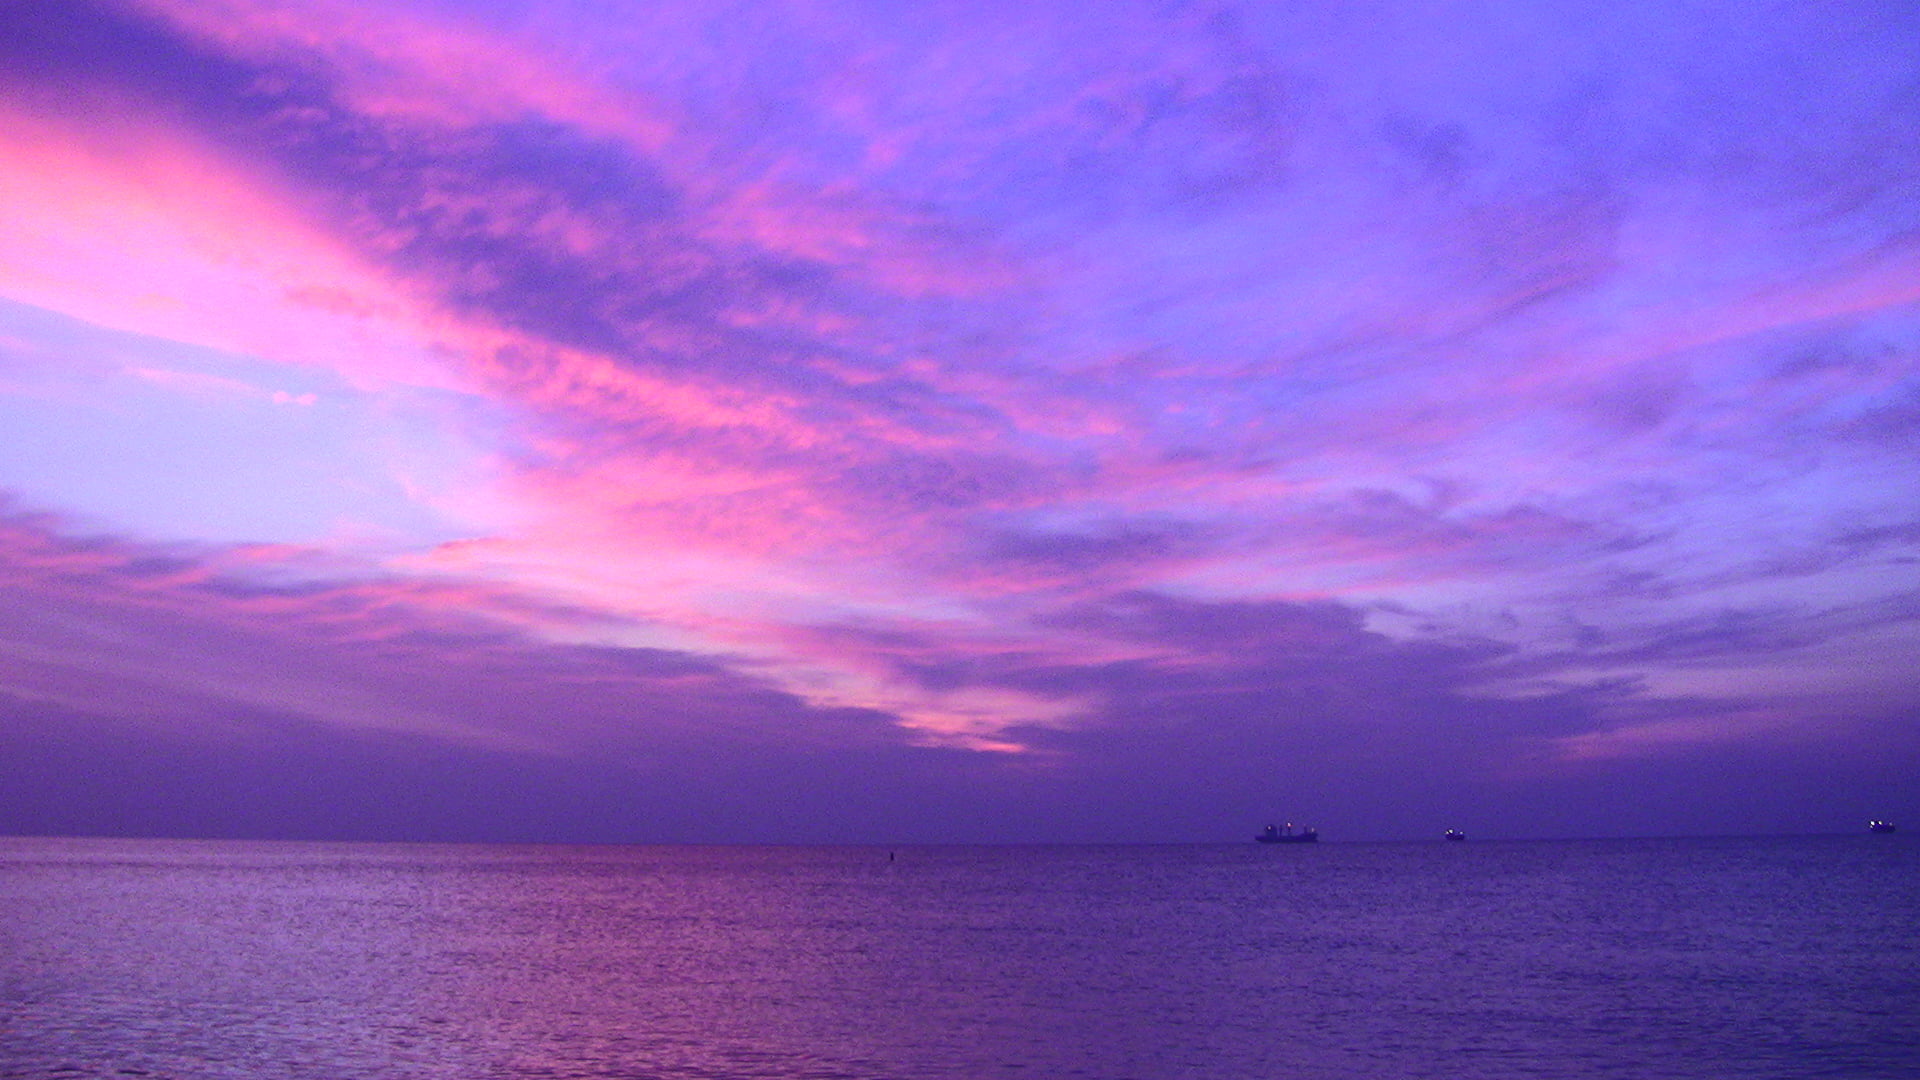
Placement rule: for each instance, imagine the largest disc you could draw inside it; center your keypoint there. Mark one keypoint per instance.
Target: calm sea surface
(1750, 958)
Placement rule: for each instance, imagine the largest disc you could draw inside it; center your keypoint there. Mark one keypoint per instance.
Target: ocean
(1736, 957)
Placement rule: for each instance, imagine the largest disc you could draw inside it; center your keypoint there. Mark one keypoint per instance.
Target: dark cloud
(1092, 552)
(1892, 423)
(275, 776)
(188, 702)
(911, 484)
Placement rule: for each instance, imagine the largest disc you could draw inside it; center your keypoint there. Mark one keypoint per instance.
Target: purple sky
(1025, 421)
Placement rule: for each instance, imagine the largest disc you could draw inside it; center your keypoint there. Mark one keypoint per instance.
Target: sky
(985, 422)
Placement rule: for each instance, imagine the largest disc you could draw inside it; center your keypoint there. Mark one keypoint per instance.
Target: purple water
(1752, 958)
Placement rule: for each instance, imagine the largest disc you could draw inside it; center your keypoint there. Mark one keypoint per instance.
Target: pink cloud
(395, 65)
(141, 229)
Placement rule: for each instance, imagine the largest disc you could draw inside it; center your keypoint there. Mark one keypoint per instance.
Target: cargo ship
(1272, 835)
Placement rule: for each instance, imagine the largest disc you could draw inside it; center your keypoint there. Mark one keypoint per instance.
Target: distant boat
(1872, 826)
(1271, 835)
(1456, 834)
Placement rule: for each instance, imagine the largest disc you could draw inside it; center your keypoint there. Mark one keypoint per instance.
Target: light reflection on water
(1679, 958)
